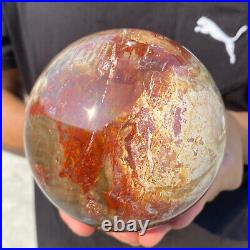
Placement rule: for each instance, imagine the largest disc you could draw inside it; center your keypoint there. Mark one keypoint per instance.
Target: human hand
(229, 177)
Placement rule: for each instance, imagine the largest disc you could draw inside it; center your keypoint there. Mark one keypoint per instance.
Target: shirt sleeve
(8, 58)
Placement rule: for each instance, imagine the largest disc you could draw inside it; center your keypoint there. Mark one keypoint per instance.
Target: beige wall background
(18, 216)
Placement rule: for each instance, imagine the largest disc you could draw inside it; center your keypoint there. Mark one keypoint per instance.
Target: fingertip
(130, 238)
(75, 226)
(186, 218)
(154, 235)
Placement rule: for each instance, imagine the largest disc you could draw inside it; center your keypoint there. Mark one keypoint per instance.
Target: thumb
(75, 226)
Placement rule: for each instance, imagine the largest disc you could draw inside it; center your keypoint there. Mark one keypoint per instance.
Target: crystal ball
(124, 123)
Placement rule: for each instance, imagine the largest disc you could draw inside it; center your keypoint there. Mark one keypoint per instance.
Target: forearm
(13, 122)
(242, 120)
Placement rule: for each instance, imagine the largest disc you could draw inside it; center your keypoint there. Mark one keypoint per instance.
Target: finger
(186, 218)
(130, 238)
(77, 227)
(153, 235)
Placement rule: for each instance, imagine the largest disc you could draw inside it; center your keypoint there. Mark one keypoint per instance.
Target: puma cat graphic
(209, 27)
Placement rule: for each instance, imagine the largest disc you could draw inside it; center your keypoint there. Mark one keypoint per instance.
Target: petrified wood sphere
(125, 122)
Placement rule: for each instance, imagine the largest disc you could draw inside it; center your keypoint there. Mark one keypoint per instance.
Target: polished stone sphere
(125, 123)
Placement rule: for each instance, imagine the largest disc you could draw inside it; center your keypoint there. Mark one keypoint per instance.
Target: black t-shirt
(33, 33)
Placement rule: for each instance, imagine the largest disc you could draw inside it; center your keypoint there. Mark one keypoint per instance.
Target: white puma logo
(209, 27)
